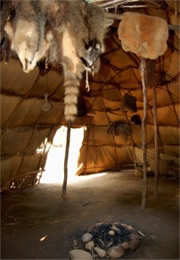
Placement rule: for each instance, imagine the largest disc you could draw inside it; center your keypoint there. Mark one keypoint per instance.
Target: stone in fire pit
(106, 241)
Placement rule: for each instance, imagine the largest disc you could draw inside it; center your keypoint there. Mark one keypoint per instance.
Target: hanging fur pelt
(27, 33)
(70, 33)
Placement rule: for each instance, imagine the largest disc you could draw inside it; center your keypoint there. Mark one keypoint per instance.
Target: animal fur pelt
(26, 32)
(70, 33)
(144, 35)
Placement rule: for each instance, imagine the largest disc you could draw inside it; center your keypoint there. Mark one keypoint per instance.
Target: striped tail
(71, 84)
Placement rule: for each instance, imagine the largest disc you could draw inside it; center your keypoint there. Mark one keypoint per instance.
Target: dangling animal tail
(71, 84)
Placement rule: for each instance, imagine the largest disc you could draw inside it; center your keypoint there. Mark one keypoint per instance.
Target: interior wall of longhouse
(123, 202)
(22, 98)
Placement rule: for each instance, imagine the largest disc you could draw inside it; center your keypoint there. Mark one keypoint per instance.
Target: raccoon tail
(71, 84)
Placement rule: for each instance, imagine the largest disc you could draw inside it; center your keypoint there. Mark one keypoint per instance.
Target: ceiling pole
(68, 137)
(156, 156)
(143, 71)
(113, 16)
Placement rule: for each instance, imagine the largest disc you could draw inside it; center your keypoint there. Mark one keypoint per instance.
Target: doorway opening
(54, 168)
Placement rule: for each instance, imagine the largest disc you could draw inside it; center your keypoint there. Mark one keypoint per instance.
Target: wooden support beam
(120, 17)
(143, 70)
(156, 155)
(68, 137)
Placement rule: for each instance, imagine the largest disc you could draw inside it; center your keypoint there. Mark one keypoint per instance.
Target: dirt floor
(38, 224)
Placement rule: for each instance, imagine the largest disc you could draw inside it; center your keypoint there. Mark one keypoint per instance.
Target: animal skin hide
(70, 33)
(144, 35)
(26, 32)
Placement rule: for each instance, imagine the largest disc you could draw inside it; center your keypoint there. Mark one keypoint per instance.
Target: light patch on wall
(54, 169)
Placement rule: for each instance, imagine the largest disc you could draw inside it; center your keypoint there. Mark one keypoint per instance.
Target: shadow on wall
(54, 169)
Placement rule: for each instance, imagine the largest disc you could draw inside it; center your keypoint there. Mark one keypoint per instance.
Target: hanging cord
(87, 78)
(68, 137)
(143, 71)
(46, 105)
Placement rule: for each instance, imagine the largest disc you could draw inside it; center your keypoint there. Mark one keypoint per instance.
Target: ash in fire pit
(106, 240)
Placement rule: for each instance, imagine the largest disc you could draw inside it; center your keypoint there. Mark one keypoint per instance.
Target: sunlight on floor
(54, 169)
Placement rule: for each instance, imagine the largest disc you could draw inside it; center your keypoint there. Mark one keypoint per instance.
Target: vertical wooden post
(68, 136)
(133, 148)
(143, 70)
(156, 155)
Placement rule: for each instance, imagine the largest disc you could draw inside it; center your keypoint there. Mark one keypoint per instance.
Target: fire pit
(107, 241)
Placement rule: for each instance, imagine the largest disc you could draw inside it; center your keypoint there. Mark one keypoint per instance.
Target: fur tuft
(70, 112)
(71, 99)
(68, 33)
